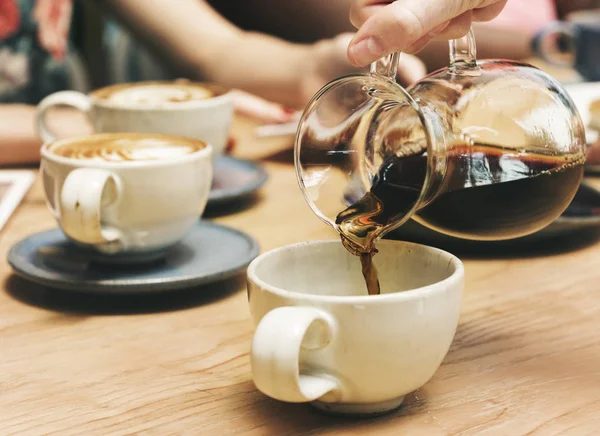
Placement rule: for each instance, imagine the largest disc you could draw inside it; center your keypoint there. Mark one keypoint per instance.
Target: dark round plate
(208, 253)
(234, 179)
(582, 213)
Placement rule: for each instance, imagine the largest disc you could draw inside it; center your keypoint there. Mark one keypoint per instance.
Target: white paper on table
(583, 94)
(14, 184)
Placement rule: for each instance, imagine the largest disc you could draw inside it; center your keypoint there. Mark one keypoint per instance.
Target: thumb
(402, 23)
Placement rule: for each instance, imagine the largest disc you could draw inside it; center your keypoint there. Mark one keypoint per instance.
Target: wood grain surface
(525, 360)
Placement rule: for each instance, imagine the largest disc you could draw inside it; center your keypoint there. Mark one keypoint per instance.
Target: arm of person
(19, 144)
(203, 44)
(206, 46)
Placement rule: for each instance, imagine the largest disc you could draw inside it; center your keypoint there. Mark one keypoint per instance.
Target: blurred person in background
(278, 53)
(509, 35)
(40, 54)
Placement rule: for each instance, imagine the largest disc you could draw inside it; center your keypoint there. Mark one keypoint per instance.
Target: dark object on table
(573, 44)
(586, 204)
(583, 213)
(234, 179)
(208, 253)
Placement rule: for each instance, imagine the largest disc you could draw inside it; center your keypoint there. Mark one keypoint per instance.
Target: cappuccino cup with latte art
(126, 195)
(197, 110)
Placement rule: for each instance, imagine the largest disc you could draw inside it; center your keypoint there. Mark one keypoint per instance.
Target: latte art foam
(127, 148)
(154, 94)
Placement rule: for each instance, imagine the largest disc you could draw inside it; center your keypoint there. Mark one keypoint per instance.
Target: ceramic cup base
(125, 258)
(357, 409)
(321, 338)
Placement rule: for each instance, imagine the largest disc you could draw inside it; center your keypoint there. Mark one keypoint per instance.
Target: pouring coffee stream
(484, 150)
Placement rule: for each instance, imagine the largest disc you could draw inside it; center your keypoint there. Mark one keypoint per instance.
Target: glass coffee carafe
(483, 150)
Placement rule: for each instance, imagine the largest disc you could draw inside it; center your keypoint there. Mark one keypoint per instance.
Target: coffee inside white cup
(130, 195)
(126, 148)
(156, 94)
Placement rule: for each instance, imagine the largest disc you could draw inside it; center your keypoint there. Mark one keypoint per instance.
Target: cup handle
(83, 196)
(63, 98)
(550, 30)
(49, 193)
(275, 355)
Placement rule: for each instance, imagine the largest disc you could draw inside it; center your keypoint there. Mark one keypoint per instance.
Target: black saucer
(235, 179)
(207, 254)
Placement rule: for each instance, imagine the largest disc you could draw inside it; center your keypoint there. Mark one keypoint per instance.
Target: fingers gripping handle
(84, 194)
(275, 355)
(463, 54)
(63, 98)
(386, 66)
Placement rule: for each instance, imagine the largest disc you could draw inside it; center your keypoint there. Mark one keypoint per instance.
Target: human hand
(387, 26)
(259, 109)
(324, 61)
(320, 63)
(53, 18)
(328, 61)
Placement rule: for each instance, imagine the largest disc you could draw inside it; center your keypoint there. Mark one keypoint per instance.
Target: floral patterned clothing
(33, 47)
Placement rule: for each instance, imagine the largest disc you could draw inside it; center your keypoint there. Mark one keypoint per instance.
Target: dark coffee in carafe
(488, 193)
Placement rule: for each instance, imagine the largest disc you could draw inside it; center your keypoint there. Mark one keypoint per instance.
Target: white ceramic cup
(126, 210)
(206, 119)
(320, 338)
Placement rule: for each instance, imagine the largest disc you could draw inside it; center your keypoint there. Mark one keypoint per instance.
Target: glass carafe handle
(463, 57)
(463, 53)
(386, 67)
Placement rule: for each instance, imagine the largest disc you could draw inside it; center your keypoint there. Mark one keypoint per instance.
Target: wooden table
(525, 360)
